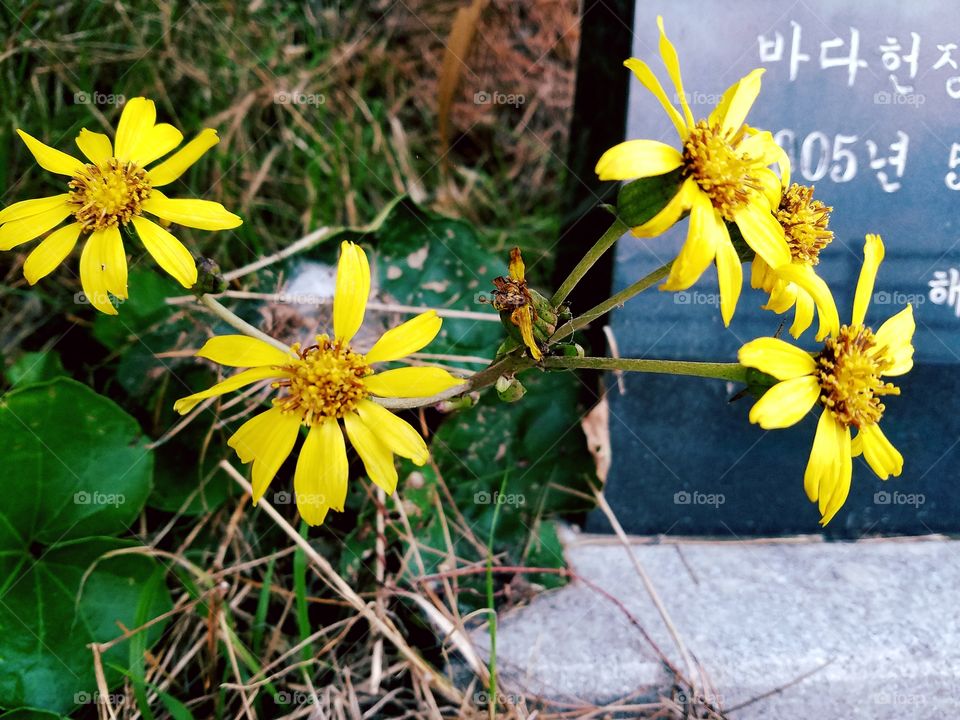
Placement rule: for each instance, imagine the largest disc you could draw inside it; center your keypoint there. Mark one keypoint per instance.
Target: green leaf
(34, 367)
(31, 714)
(57, 603)
(639, 201)
(75, 465)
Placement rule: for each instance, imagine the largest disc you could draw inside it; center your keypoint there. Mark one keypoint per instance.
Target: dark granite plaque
(865, 97)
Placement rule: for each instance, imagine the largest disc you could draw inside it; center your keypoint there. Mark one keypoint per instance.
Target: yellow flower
(114, 187)
(846, 378)
(513, 296)
(805, 224)
(726, 178)
(323, 385)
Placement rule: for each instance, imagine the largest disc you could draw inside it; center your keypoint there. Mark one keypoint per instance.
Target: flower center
(804, 222)
(103, 197)
(849, 369)
(710, 157)
(327, 381)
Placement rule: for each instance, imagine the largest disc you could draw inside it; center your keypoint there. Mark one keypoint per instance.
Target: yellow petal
(804, 314)
(637, 159)
(95, 146)
(896, 337)
(178, 163)
(882, 457)
(377, 458)
(669, 54)
(51, 252)
(138, 116)
(770, 185)
(243, 351)
(155, 143)
(411, 382)
(49, 158)
(668, 216)
(763, 233)
(169, 252)
(786, 403)
(409, 337)
(113, 260)
(700, 247)
(522, 317)
(833, 493)
(518, 270)
(783, 296)
(741, 98)
(320, 480)
(806, 279)
(873, 253)
(26, 229)
(352, 291)
(234, 382)
(729, 276)
(267, 439)
(650, 82)
(761, 275)
(93, 279)
(776, 357)
(203, 214)
(396, 434)
(29, 208)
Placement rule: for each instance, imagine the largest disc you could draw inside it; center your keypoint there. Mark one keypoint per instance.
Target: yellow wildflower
(725, 178)
(513, 296)
(114, 188)
(323, 385)
(805, 224)
(846, 378)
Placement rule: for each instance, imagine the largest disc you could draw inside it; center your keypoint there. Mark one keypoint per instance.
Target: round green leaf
(75, 464)
(53, 605)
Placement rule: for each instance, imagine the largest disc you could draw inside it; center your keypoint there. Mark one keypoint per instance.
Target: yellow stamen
(710, 158)
(849, 370)
(804, 222)
(326, 382)
(103, 197)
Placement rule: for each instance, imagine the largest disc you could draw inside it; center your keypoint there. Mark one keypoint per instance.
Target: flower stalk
(606, 241)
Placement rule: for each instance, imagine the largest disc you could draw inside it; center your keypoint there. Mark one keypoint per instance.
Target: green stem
(231, 319)
(734, 372)
(613, 233)
(609, 304)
